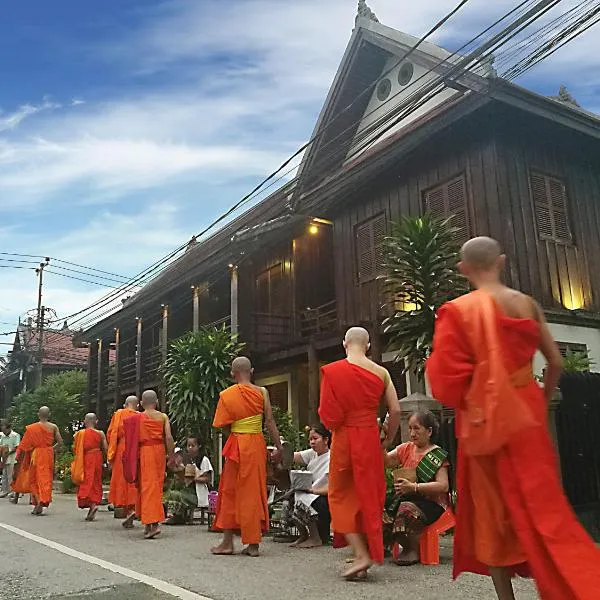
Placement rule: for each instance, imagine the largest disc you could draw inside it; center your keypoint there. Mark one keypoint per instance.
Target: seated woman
(193, 473)
(309, 509)
(421, 489)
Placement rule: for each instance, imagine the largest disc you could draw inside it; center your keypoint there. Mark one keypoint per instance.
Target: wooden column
(101, 409)
(164, 347)
(234, 300)
(91, 368)
(376, 343)
(196, 297)
(313, 383)
(138, 360)
(117, 368)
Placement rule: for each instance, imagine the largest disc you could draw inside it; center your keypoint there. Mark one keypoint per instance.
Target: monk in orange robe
(242, 503)
(39, 441)
(148, 439)
(352, 391)
(21, 475)
(122, 495)
(90, 447)
(512, 516)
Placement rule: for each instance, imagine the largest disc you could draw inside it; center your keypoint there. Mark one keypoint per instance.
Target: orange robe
(350, 400)
(39, 442)
(22, 473)
(145, 445)
(242, 503)
(511, 510)
(122, 493)
(86, 470)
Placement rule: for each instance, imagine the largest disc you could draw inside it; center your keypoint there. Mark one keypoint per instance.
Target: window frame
(378, 269)
(563, 181)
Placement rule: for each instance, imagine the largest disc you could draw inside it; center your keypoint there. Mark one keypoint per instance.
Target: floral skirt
(298, 514)
(181, 502)
(408, 515)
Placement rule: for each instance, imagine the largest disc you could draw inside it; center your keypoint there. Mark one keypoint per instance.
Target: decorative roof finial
(365, 11)
(565, 96)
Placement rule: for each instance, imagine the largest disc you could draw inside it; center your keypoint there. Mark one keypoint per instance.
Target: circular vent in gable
(405, 73)
(383, 89)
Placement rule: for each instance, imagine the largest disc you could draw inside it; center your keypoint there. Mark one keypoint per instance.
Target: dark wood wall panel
(495, 156)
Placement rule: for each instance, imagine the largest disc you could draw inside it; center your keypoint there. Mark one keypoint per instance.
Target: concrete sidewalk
(181, 557)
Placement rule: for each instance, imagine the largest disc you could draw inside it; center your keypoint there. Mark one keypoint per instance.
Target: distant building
(58, 355)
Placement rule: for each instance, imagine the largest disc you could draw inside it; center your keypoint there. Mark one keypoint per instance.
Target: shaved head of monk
(357, 339)
(241, 369)
(90, 420)
(481, 259)
(149, 399)
(131, 402)
(44, 413)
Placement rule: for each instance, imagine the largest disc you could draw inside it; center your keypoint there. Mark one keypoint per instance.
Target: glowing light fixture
(313, 229)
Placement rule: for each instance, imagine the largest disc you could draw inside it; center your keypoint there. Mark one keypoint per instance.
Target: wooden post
(103, 350)
(163, 352)
(234, 300)
(91, 366)
(117, 368)
(196, 322)
(138, 359)
(313, 383)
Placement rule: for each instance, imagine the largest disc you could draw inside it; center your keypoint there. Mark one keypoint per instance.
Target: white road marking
(163, 586)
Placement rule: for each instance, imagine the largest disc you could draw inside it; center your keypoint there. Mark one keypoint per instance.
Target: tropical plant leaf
(420, 261)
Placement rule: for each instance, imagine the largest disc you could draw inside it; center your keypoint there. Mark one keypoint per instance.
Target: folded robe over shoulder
(122, 493)
(242, 503)
(350, 400)
(86, 469)
(511, 511)
(39, 442)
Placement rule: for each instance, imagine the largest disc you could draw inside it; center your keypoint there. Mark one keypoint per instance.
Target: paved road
(60, 557)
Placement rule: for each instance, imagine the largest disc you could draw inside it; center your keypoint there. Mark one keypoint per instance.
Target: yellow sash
(251, 424)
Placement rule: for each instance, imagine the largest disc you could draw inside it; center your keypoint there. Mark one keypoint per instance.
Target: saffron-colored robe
(511, 510)
(21, 474)
(144, 462)
(242, 502)
(39, 441)
(86, 469)
(122, 493)
(350, 400)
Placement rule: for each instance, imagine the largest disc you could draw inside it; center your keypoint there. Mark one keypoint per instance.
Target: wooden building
(293, 272)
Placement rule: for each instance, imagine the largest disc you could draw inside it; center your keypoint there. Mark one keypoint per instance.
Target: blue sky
(125, 126)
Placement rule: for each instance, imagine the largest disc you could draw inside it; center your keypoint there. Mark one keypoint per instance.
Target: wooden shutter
(550, 204)
(449, 199)
(370, 237)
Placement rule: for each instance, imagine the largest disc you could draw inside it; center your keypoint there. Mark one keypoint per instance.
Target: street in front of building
(60, 556)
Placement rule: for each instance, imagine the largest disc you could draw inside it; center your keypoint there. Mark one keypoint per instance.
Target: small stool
(429, 542)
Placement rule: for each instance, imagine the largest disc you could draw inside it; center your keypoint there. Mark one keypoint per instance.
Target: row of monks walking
(512, 515)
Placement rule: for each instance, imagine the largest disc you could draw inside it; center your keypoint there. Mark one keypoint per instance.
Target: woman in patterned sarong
(421, 488)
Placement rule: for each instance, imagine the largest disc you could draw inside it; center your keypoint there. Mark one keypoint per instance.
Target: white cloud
(10, 121)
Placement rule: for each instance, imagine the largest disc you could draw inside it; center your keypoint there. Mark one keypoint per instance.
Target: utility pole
(40, 320)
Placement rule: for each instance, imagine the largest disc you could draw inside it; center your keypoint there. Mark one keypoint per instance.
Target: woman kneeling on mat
(421, 486)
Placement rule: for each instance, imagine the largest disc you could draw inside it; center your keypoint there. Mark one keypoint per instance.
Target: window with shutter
(370, 237)
(549, 195)
(449, 199)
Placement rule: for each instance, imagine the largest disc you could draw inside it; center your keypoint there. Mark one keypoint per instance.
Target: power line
(250, 195)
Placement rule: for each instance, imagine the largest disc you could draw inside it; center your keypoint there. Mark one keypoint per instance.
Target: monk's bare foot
(358, 570)
(311, 543)
(222, 550)
(251, 550)
(299, 541)
(153, 532)
(91, 516)
(38, 510)
(128, 522)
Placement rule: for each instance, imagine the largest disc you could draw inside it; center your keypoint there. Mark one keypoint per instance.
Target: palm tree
(197, 368)
(420, 261)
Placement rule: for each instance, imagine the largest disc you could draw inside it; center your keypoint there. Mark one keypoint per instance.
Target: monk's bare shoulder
(519, 305)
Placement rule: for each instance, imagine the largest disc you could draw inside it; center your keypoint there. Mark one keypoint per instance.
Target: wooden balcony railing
(269, 331)
(318, 321)
(128, 371)
(151, 359)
